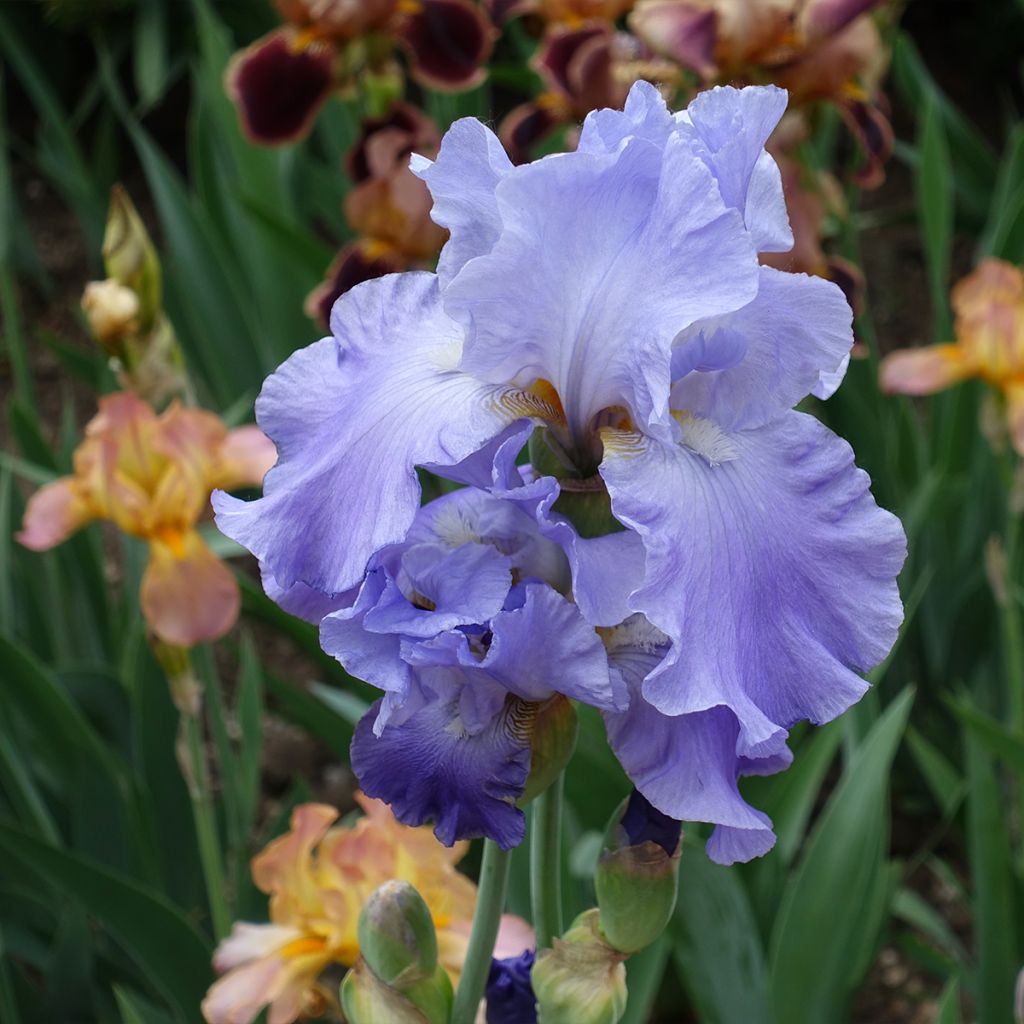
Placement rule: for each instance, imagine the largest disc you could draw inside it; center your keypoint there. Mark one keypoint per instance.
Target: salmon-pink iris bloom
(152, 476)
(989, 308)
(318, 879)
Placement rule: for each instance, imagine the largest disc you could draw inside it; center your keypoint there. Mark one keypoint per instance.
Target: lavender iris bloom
(610, 302)
(462, 627)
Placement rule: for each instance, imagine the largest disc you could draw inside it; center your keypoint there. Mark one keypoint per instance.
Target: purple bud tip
(510, 998)
(643, 821)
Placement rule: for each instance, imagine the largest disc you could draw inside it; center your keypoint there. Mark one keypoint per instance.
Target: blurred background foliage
(895, 892)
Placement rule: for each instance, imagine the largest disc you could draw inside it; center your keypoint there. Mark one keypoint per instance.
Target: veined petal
(923, 371)
(430, 768)
(546, 647)
(584, 236)
(685, 765)
(352, 416)
(188, 595)
(795, 329)
(462, 181)
(303, 601)
(733, 126)
(53, 513)
(773, 573)
(645, 115)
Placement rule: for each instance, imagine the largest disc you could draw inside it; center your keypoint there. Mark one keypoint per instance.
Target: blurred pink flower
(152, 476)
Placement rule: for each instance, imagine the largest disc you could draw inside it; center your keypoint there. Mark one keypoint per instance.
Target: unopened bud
(112, 311)
(396, 935)
(129, 256)
(398, 978)
(552, 743)
(367, 1000)
(581, 979)
(637, 874)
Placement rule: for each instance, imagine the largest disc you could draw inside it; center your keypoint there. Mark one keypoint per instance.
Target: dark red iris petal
(524, 127)
(353, 265)
(447, 42)
(278, 88)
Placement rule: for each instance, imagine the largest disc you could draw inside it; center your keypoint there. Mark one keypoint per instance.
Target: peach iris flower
(318, 879)
(152, 476)
(989, 308)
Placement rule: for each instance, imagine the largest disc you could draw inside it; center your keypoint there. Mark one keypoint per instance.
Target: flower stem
(197, 779)
(546, 863)
(490, 903)
(187, 695)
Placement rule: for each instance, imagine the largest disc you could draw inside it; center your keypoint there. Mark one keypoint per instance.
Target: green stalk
(188, 699)
(546, 863)
(1013, 643)
(197, 779)
(490, 903)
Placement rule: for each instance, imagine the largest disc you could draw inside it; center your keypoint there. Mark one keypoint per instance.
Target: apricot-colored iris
(989, 308)
(152, 476)
(318, 879)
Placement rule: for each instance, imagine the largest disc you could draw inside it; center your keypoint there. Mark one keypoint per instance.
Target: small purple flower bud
(643, 822)
(637, 874)
(510, 998)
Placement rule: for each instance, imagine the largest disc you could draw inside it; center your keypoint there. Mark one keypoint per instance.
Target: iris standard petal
(773, 573)
(733, 126)
(645, 115)
(584, 236)
(352, 416)
(462, 181)
(797, 328)
(431, 768)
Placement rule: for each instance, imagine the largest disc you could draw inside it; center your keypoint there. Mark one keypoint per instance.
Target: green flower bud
(368, 1000)
(552, 743)
(637, 874)
(581, 979)
(396, 935)
(130, 258)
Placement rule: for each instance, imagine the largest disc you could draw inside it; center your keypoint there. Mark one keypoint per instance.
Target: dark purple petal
(874, 133)
(644, 823)
(525, 126)
(430, 769)
(501, 11)
(510, 998)
(279, 88)
(358, 262)
(448, 41)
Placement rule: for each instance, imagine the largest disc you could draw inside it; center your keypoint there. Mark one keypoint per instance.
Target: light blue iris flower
(610, 300)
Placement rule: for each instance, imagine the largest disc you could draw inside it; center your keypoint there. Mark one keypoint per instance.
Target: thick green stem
(197, 779)
(490, 903)
(546, 863)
